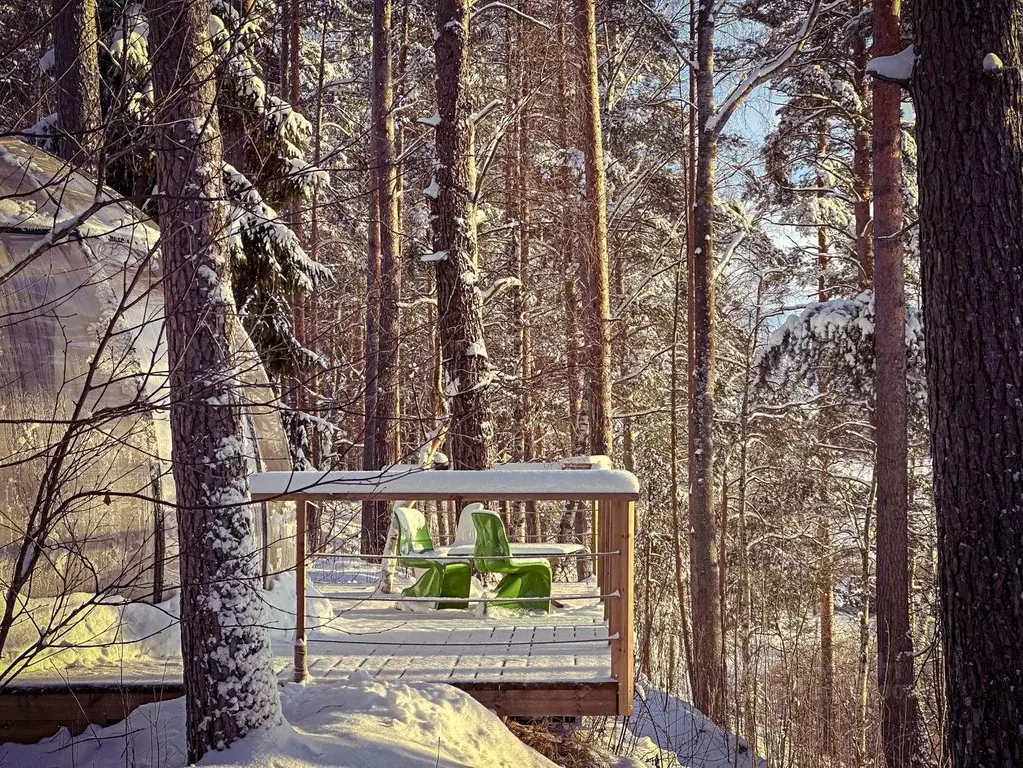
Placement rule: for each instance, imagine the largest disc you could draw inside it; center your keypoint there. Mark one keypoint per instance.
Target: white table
(519, 550)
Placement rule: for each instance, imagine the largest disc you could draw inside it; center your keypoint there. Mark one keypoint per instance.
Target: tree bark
(574, 516)
(826, 604)
(230, 686)
(467, 374)
(596, 306)
(374, 530)
(971, 182)
(709, 694)
(527, 447)
(900, 726)
(383, 420)
(76, 72)
(386, 443)
(515, 511)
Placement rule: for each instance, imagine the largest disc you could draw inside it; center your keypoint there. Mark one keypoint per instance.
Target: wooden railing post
(621, 538)
(301, 670)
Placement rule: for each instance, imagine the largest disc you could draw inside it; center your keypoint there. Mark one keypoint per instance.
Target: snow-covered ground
(108, 639)
(357, 707)
(82, 634)
(667, 732)
(677, 726)
(358, 723)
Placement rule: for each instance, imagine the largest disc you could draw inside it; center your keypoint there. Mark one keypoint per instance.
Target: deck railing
(612, 493)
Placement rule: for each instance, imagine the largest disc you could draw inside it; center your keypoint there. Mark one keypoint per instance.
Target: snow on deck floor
(568, 645)
(453, 646)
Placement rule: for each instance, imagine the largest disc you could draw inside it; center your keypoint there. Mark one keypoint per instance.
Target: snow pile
(666, 731)
(897, 68)
(85, 629)
(356, 723)
(838, 335)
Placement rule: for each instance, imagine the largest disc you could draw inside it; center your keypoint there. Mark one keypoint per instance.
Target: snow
(46, 63)
(993, 63)
(102, 630)
(434, 257)
(433, 120)
(36, 180)
(897, 68)
(355, 723)
(662, 723)
(418, 484)
(432, 191)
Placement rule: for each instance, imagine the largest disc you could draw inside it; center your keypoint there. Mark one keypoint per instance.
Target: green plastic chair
(524, 577)
(442, 578)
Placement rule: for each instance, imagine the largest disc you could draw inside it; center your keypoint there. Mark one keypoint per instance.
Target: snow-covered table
(519, 550)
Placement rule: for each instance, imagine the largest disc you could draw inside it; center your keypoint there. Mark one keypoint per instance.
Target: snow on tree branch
(896, 69)
(763, 72)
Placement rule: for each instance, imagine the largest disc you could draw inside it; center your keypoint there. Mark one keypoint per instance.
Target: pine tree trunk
(826, 606)
(574, 515)
(515, 511)
(527, 447)
(230, 686)
(971, 236)
(900, 726)
(709, 695)
(596, 306)
(374, 530)
(76, 73)
(863, 659)
(467, 374)
(382, 433)
(386, 443)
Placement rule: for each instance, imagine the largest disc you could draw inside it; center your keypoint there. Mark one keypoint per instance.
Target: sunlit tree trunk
(527, 447)
(76, 73)
(515, 512)
(596, 305)
(900, 723)
(574, 515)
(374, 530)
(386, 443)
(709, 693)
(384, 418)
(229, 681)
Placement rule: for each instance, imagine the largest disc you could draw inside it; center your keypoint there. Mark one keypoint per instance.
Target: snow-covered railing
(613, 494)
(419, 484)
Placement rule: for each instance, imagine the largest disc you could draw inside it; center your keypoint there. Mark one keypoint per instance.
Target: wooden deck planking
(518, 665)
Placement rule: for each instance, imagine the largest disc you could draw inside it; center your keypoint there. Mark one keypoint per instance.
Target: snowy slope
(679, 727)
(663, 727)
(360, 723)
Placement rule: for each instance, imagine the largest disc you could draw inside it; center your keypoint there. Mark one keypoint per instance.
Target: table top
(552, 549)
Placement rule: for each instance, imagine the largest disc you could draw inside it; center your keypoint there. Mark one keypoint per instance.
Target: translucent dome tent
(86, 491)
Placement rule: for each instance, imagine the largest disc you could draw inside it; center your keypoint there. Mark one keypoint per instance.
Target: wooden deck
(516, 664)
(575, 661)
(571, 644)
